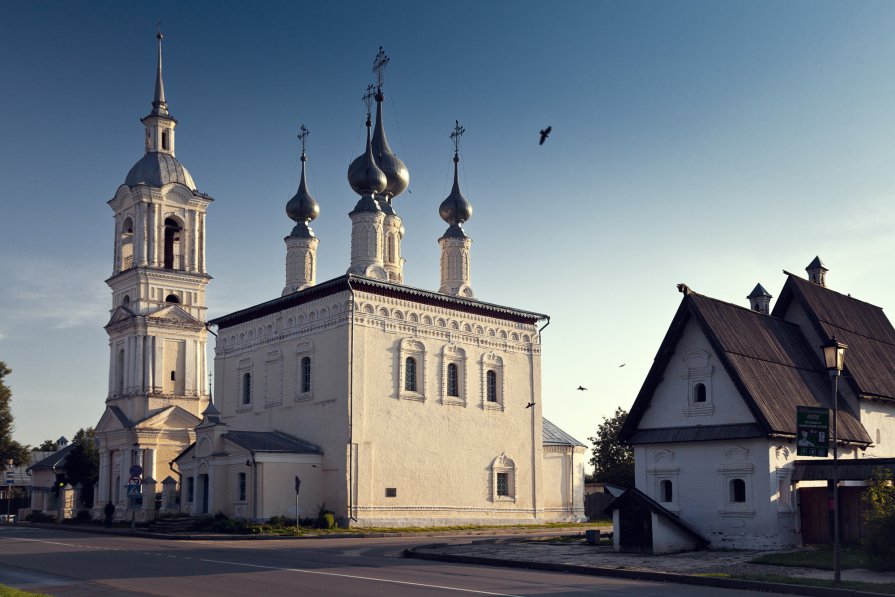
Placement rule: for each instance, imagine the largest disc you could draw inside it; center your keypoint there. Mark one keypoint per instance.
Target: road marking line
(385, 580)
(62, 544)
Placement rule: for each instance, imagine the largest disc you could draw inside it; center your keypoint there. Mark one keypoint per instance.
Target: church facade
(384, 403)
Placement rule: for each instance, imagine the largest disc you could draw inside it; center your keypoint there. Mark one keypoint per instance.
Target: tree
(9, 448)
(879, 518)
(82, 464)
(613, 461)
(48, 445)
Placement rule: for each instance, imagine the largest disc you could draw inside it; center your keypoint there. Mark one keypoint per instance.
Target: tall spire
(395, 171)
(302, 208)
(455, 245)
(159, 105)
(456, 209)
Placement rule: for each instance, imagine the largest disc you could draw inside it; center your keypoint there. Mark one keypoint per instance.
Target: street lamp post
(834, 359)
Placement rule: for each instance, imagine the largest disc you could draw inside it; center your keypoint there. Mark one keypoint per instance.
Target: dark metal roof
(554, 436)
(271, 441)
(638, 497)
(870, 357)
(360, 283)
(700, 433)
(768, 359)
(157, 169)
(54, 460)
(847, 470)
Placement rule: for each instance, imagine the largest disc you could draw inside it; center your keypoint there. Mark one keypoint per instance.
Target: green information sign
(813, 426)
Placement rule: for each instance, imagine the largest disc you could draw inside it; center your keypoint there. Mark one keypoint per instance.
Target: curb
(666, 577)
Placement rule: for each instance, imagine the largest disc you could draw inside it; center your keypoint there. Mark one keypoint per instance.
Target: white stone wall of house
(563, 483)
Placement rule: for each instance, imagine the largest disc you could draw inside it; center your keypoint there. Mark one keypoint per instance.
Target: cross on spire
(455, 136)
(303, 139)
(379, 67)
(368, 99)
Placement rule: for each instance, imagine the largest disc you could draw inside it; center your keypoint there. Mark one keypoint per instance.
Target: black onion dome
(364, 175)
(302, 208)
(456, 209)
(396, 173)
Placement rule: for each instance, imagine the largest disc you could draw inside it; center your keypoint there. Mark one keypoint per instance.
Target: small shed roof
(635, 496)
(271, 441)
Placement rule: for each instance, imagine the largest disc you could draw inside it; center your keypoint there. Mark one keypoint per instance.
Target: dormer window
(697, 376)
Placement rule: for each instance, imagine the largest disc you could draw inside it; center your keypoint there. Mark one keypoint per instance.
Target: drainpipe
(254, 487)
(534, 450)
(351, 503)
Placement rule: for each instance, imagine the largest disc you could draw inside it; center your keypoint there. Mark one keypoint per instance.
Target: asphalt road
(80, 564)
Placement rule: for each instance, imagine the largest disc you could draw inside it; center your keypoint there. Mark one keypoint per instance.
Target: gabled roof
(387, 289)
(554, 436)
(870, 356)
(768, 359)
(639, 498)
(54, 460)
(271, 441)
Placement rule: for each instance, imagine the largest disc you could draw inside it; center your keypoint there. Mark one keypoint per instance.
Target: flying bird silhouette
(529, 405)
(581, 388)
(544, 134)
(623, 364)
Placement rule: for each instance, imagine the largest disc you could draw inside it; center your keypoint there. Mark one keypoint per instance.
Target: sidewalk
(690, 567)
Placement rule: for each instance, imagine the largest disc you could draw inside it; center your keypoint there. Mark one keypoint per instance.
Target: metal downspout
(351, 504)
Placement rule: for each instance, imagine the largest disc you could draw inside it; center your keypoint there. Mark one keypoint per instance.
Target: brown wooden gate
(815, 506)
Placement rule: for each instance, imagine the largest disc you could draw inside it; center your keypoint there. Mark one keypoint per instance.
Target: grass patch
(820, 558)
(888, 588)
(10, 592)
(290, 531)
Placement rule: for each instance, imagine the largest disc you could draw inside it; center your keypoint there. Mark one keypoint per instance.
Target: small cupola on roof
(367, 218)
(301, 244)
(158, 166)
(396, 173)
(817, 272)
(455, 245)
(760, 300)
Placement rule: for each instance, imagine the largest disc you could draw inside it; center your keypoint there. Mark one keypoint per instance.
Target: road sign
(297, 484)
(134, 486)
(813, 431)
(136, 470)
(10, 479)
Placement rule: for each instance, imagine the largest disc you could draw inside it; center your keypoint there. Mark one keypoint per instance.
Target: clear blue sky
(712, 143)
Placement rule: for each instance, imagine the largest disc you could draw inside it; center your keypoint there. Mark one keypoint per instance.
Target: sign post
(813, 431)
(297, 509)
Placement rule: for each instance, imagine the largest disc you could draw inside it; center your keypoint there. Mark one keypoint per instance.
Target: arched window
(246, 388)
(390, 248)
(172, 244)
(410, 375)
(737, 491)
(699, 392)
(453, 386)
(125, 300)
(126, 243)
(172, 298)
(666, 491)
(306, 375)
(491, 385)
(165, 140)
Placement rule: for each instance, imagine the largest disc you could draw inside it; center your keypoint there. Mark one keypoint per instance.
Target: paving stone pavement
(579, 553)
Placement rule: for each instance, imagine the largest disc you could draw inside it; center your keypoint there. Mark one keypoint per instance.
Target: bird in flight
(581, 388)
(544, 134)
(529, 405)
(623, 364)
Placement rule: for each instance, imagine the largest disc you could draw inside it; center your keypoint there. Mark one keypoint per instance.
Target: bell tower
(158, 383)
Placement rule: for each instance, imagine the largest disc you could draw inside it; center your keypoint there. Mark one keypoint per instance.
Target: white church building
(390, 404)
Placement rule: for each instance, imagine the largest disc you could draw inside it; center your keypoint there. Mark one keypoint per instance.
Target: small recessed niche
(391, 492)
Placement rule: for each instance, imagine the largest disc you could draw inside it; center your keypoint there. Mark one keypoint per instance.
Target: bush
(231, 525)
(38, 516)
(327, 521)
(279, 522)
(880, 521)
